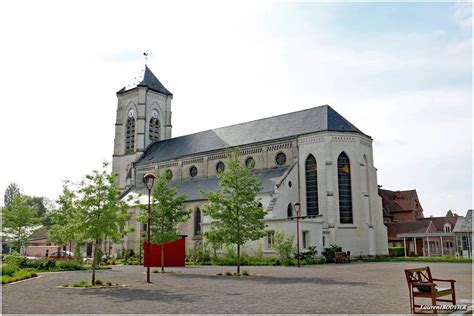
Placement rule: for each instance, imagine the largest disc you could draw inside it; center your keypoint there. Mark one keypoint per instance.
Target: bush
(15, 260)
(283, 245)
(396, 251)
(330, 253)
(198, 256)
(69, 265)
(308, 253)
(9, 270)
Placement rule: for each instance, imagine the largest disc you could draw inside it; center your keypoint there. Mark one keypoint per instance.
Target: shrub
(228, 273)
(9, 270)
(330, 253)
(68, 265)
(396, 251)
(308, 253)
(283, 245)
(15, 260)
(245, 272)
(108, 283)
(198, 255)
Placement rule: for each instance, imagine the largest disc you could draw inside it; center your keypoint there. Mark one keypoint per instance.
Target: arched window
(344, 184)
(289, 210)
(197, 222)
(154, 130)
(130, 134)
(312, 186)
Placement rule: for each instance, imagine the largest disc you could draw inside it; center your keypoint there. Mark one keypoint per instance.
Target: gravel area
(377, 287)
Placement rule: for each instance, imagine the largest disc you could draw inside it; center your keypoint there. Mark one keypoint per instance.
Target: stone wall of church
(367, 234)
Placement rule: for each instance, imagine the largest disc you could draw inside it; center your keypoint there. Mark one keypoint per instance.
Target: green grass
(82, 283)
(18, 276)
(86, 284)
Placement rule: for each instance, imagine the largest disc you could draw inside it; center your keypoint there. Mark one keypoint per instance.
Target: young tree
(283, 246)
(102, 213)
(66, 220)
(237, 217)
(167, 212)
(18, 219)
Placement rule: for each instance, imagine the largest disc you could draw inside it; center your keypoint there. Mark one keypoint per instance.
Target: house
(463, 235)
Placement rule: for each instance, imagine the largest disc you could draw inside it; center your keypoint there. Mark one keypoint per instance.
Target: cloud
(463, 15)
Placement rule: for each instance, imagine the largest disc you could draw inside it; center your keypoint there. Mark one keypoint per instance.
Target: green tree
(67, 219)
(10, 193)
(44, 207)
(103, 214)
(283, 246)
(234, 208)
(451, 214)
(167, 212)
(18, 219)
(214, 240)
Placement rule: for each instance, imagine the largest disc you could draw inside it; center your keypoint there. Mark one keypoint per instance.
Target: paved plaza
(348, 288)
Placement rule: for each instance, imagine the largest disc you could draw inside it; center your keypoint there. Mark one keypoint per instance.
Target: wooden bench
(421, 285)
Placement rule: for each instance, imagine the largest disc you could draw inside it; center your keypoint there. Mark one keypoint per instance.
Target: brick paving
(350, 288)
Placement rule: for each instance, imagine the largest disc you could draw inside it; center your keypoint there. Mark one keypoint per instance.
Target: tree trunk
(70, 249)
(94, 258)
(162, 257)
(238, 258)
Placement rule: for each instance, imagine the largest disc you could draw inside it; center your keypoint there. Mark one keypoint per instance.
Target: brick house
(407, 227)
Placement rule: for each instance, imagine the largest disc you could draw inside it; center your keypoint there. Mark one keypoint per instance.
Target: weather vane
(146, 57)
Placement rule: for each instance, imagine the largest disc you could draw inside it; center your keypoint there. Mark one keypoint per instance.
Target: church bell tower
(143, 117)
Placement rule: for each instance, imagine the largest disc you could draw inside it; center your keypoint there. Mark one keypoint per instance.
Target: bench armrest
(444, 280)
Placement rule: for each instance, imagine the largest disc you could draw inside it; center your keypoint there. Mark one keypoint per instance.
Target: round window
(250, 163)
(193, 171)
(220, 167)
(169, 174)
(280, 159)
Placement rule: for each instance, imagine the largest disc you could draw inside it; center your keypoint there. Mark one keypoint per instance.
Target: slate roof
(150, 81)
(191, 188)
(464, 225)
(317, 119)
(39, 234)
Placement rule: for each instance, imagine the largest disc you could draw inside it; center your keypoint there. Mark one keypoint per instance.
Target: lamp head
(297, 207)
(149, 180)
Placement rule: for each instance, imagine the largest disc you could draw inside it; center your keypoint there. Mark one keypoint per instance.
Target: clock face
(154, 114)
(131, 113)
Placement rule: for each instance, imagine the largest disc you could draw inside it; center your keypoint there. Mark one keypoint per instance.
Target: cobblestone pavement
(348, 288)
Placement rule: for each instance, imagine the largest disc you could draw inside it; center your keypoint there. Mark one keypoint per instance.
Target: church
(315, 157)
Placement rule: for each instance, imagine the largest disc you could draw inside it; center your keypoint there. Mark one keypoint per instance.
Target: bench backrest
(420, 275)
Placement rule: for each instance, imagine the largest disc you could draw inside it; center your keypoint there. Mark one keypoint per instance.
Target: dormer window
(447, 228)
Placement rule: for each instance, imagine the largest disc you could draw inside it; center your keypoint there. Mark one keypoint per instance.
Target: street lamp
(149, 180)
(297, 207)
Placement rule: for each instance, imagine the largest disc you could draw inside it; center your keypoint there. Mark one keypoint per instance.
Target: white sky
(404, 81)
